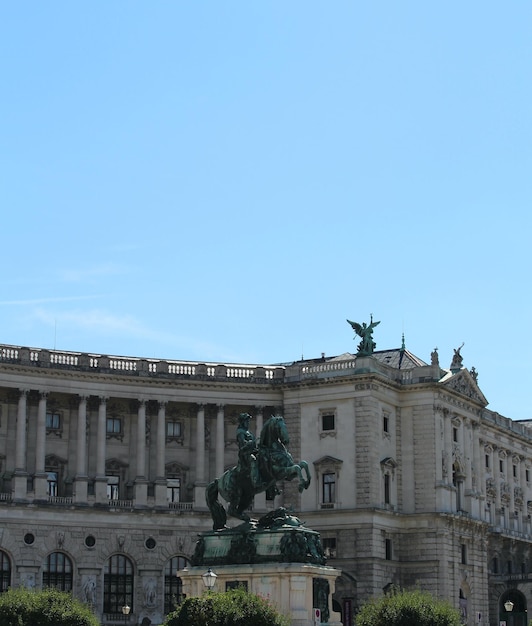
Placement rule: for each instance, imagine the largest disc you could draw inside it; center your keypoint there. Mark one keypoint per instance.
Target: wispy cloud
(96, 320)
(34, 301)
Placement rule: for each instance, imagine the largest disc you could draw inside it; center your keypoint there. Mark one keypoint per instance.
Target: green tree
(404, 608)
(232, 608)
(22, 607)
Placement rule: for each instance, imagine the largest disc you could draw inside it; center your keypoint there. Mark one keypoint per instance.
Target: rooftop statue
(457, 358)
(367, 345)
(260, 465)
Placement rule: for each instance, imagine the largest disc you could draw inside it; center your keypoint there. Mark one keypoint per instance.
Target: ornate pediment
(466, 385)
(328, 461)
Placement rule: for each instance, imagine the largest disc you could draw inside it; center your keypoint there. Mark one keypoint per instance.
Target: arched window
(57, 572)
(117, 584)
(5, 572)
(173, 586)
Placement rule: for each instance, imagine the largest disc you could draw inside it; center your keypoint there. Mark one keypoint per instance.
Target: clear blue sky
(230, 181)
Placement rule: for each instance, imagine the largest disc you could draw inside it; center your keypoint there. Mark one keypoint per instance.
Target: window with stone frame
(388, 466)
(327, 423)
(329, 547)
(388, 549)
(118, 581)
(57, 572)
(328, 488)
(53, 421)
(173, 585)
(115, 472)
(54, 467)
(328, 473)
(175, 474)
(5, 571)
(113, 427)
(174, 431)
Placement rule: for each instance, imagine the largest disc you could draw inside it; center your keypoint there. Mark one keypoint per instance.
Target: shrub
(22, 607)
(232, 608)
(404, 608)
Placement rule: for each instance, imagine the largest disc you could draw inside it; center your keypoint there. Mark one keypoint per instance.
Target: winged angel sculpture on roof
(367, 345)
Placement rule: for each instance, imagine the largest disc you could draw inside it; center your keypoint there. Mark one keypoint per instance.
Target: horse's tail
(219, 516)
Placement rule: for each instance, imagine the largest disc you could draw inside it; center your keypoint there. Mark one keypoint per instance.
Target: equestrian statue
(260, 465)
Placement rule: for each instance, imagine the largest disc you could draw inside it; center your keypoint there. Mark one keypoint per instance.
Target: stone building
(104, 462)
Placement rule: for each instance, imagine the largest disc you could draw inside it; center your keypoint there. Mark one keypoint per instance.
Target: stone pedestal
(290, 587)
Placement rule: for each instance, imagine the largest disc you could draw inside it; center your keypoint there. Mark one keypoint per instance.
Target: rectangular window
(113, 483)
(53, 421)
(327, 421)
(173, 429)
(386, 424)
(455, 435)
(464, 554)
(388, 549)
(173, 489)
(501, 467)
(514, 471)
(386, 488)
(52, 484)
(329, 488)
(527, 476)
(114, 425)
(487, 461)
(329, 547)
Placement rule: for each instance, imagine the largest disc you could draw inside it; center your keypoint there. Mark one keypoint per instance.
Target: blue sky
(230, 181)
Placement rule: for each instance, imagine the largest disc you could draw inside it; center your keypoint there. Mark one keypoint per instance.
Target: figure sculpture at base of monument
(260, 466)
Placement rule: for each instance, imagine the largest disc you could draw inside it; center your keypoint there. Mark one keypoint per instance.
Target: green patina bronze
(367, 345)
(260, 465)
(278, 537)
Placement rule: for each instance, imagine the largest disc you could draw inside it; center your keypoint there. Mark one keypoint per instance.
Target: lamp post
(209, 579)
(125, 611)
(509, 606)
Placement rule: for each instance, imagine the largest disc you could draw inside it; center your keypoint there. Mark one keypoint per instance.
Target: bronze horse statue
(238, 487)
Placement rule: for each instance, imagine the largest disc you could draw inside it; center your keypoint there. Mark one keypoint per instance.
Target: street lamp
(126, 609)
(509, 606)
(209, 579)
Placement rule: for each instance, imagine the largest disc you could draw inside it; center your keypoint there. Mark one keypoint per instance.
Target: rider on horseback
(247, 451)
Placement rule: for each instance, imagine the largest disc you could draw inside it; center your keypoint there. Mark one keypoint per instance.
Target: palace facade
(104, 462)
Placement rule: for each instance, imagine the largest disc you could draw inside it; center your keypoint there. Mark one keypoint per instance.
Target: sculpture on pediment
(434, 359)
(365, 331)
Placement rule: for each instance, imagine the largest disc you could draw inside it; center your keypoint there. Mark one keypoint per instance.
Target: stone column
(199, 485)
(20, 476)
(100, 484)
(141, 484)
(161, 499)
(81, 478)
(447, 461)
(40, 482)
(220, 442)
(498, 487)
(466, 445)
